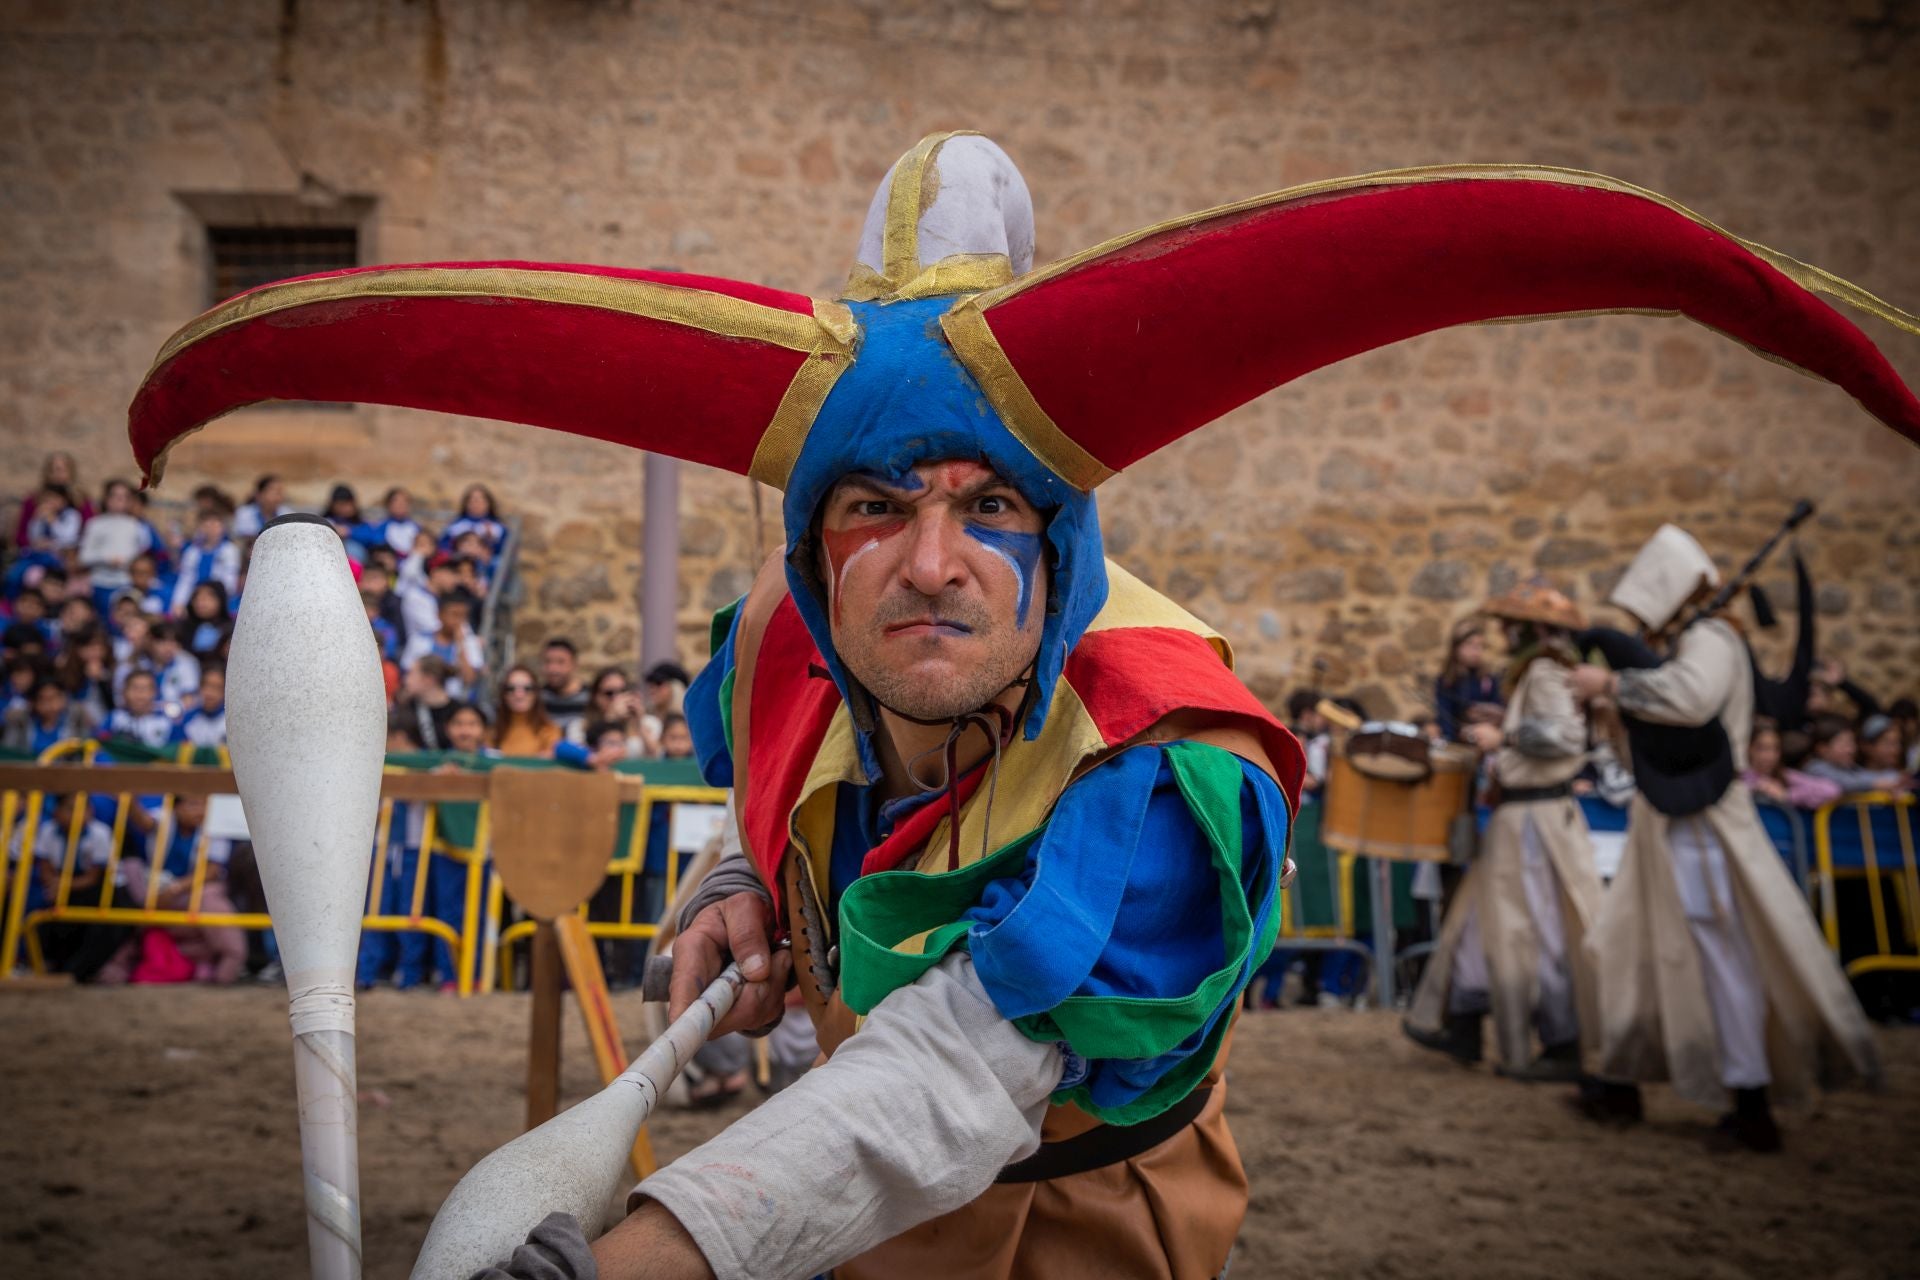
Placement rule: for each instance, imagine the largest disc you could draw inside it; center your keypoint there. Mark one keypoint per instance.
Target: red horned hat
(1091, 363)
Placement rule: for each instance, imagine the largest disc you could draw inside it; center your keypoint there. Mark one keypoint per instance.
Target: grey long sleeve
(1691, 687)
(912, 1118)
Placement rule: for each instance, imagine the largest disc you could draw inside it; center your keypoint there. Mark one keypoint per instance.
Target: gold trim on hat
(716, 313)
(973, 342)
(825, 334)
(911, 191)
(786, 433)
(955, 273)
(1801, 273)
(915, 183)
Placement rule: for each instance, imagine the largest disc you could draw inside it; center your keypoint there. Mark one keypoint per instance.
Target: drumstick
(306, 727)
(1336, 715)
(574, 1163)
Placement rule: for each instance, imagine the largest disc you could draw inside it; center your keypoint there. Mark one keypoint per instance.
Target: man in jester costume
(1021, 825)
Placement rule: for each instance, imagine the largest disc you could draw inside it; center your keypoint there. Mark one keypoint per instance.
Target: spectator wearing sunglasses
(614, 705)
(523, 728)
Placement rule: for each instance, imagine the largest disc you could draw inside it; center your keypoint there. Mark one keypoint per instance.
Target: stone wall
(1333, 529)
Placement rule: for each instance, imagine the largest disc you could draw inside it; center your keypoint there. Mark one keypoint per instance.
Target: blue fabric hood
(905, 401)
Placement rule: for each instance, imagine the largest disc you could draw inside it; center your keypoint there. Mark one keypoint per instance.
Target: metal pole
(660, 562)
(1382, 872)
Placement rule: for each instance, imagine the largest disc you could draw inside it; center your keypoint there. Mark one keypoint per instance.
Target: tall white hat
(1664, 576)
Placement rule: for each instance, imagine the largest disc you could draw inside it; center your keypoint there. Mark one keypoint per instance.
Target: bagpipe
(1682, 769)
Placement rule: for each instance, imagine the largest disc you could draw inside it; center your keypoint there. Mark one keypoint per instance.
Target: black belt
(1106, 1144)
(1520, 795)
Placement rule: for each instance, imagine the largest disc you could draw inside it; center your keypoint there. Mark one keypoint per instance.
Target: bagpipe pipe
(1682, 769)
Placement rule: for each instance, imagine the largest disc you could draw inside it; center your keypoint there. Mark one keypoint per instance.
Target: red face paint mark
(844, 546)
(955, 476)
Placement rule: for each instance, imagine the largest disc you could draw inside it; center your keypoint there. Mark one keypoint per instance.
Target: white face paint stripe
(1019, 579)
(833, 600)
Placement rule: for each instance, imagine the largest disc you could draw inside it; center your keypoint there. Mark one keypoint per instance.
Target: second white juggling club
(306, 727)
(574, 1163)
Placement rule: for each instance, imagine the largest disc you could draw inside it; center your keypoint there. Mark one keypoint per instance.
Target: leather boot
(1557, 1064)
(1609, 1102)
(1458, 1037)
(1749, 1125)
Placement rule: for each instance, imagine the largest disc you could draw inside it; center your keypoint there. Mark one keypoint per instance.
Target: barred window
(243, 258)
(253, 238)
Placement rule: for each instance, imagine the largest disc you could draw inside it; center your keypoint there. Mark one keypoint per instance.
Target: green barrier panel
(1312, 900)
(458, 824)
(1314, 897)
(1403, 912)
(133, 751)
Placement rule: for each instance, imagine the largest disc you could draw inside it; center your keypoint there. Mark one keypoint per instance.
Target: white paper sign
(695, 826)
(226, 820)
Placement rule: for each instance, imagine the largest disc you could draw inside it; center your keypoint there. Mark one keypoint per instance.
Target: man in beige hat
(1512, 938)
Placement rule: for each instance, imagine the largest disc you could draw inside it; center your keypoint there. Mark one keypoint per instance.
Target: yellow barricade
(26, 791)
(1838, 857)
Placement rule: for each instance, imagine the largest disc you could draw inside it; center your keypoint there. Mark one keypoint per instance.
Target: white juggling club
(306, 726)
(574, 1163)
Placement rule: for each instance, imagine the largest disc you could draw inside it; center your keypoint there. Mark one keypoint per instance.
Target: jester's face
(936, 585)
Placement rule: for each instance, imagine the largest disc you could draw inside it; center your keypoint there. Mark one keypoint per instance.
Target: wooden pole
(543, 1037)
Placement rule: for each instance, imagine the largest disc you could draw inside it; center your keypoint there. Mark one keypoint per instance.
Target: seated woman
(1767, 774)
(1836, 759)
(612, 704)
(1881, 748)
(523, 728)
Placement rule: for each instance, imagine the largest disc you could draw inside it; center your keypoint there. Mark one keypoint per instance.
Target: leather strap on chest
(816, 961)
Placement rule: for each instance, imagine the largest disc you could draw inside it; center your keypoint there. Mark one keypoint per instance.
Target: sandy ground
(151, 1132)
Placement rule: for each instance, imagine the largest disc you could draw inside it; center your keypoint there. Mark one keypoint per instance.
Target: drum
(1391, 751)
(1408, 820)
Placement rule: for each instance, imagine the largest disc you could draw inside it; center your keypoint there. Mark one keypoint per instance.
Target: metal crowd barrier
(477, 945)
(1857, 850)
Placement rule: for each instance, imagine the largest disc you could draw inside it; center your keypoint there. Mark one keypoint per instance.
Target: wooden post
(552, 834)
(543, 1036)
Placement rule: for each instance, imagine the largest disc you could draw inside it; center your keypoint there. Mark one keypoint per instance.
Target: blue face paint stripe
(1021, 551)
(908, 481)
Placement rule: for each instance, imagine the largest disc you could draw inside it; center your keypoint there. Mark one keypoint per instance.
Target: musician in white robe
(1711, 972)
(1511, 944)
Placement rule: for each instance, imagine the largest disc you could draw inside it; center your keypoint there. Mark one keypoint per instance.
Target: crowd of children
(112, 630)
(109, 627)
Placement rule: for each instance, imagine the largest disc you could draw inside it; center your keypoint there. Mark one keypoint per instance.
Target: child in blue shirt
(446, 875)
(399, 530)
(139, 715)
(175, 671)
(211, 556)
(383, 633)
(145, 583)
(477, 515)
(206, 724)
